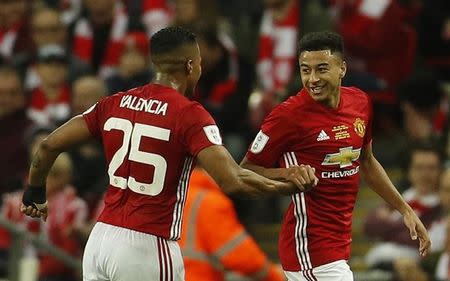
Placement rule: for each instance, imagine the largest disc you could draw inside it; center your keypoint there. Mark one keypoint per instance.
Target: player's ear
(343, 69)
(189, 66)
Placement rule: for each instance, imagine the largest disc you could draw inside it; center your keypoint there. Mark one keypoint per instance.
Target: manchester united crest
(360, 127)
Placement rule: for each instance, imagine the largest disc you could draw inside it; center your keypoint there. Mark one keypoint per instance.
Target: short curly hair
(168, 39)
(323, 40)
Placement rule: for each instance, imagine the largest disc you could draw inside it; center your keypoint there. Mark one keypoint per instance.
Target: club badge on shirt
(260, 141)
(213, 134)
(360, 127)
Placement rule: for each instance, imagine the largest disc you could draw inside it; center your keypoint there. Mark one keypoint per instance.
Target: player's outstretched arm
(378, 180)
(73, 132)
(219, 164)
(303, 176)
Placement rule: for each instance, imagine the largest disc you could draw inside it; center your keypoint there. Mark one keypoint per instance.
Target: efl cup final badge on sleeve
(360, 127)
(260, 141)
(213, 134)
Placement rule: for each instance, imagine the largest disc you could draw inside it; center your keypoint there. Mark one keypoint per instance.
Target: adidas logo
(322, 136)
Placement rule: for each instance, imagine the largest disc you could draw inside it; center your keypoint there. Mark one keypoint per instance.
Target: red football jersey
(150, 136)
(317, 225)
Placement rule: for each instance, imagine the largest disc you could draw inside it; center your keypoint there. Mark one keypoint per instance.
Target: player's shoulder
(290, 105)
(152, 91)
(187, 107)
(114, 98)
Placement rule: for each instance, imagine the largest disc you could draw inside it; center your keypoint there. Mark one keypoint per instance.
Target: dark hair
(432, 146)
(323, 40)
(170, 38)
(422, 91)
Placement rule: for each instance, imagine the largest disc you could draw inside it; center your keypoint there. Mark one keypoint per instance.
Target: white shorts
(114, 253)
(334, 271)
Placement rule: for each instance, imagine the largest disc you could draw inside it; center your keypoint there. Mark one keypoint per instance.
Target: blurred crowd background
(58, 57)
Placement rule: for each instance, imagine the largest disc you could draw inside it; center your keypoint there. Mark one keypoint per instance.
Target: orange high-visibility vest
(213, 241)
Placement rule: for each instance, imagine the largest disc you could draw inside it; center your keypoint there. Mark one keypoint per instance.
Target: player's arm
(219, 164)
(73, 132)
(302, 176)
(378, 180)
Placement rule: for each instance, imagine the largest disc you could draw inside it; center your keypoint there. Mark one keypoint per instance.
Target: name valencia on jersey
(140, 104)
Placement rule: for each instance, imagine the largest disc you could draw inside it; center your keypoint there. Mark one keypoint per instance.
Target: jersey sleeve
(95, 116)
(92, 119)
(273, 139)
(198, 129)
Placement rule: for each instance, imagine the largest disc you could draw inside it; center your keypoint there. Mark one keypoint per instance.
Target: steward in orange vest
(214, 242)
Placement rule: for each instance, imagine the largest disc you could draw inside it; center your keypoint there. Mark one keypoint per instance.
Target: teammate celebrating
(151, 137)
(329, 127)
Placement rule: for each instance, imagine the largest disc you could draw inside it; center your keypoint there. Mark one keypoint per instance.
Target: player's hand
(417, 230)
(35, 211)
(302, 176)
(34, 202)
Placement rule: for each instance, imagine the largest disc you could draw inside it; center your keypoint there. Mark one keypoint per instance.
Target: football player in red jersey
(151, 137)
(329, 127)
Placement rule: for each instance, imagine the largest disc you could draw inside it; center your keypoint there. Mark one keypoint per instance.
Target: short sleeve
(198, 129)
(91, 117)
(95, 116)
(274, 138)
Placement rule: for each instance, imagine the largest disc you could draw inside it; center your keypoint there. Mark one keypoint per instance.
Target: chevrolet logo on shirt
(343, 158)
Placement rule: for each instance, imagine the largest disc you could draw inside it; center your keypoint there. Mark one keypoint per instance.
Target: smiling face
(321, 73)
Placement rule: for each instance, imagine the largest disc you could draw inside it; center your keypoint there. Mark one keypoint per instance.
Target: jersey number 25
(134, 134)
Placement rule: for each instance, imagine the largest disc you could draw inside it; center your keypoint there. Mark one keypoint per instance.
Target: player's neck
(167, 80)
(333, 101)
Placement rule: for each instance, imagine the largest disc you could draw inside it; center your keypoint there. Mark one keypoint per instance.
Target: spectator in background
(277, 56)
(425, 167)
(98, 37)
(48, 28)
(50, 102)
(72, 212)
(437, 264)
(10, 210)
(212, 230)
(434, 36)
(224, 86)
(14, 33)
(442, 272)
(409, 270)
(438, 228)
(13, 123)
(379, 40)
(10, 206)
(227, 78)
(442, 269)
(148, 15)
(86, 91)
(134, 64)
(70, 9)
(204, 13)
(188, 12)
(425, 110)
(88, 160)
